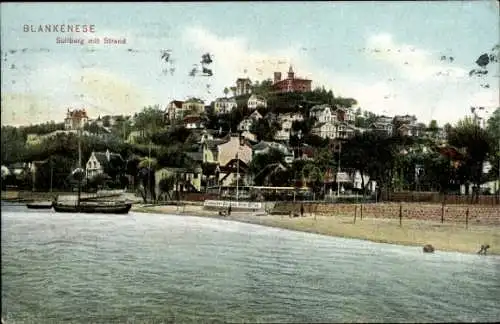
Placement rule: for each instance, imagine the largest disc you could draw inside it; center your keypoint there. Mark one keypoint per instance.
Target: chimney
(277, 77)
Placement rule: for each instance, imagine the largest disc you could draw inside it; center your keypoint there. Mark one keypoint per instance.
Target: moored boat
(40, 205)
(95, 208)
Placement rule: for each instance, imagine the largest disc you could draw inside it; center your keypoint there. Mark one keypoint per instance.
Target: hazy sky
(387, 55)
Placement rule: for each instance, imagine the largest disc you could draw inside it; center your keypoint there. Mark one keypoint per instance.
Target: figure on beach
(483, 249)
(301, 210)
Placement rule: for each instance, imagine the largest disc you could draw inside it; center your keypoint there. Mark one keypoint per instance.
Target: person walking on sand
(301, 210)
(229, 210)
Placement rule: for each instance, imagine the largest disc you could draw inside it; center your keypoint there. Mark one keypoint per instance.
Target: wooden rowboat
(94, 208)
(40, 205)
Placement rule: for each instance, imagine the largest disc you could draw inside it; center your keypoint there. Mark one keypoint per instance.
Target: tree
(166, 185)
(146, 175)
(226, 91)
(262, 165)
(173, 136)
(12, 145)
(354, 154)
(265, 129)
(493, 124)
(106, 121)
(433, 128)
(477, 145)
(493, 128)
(150, 120)
(122, 127)
(262, 88)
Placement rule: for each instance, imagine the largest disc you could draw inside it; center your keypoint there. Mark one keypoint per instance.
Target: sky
(387, 55)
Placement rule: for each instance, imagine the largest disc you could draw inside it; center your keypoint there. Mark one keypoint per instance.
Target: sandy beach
(444, 237)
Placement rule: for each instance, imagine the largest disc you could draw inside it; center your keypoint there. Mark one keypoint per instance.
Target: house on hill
(264, 147)
(345, 115)
(106, 163)
(247, 123)
(291, 83)
(286, 122)
(243, 87)
(384, 128)
(256, 101)
(323, 114)
(193, 106)
(218, 158)
(193, 122)
(224, 105)
(75, 119)
(174, 110)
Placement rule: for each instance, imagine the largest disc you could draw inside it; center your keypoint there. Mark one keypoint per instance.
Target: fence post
(467, 218)
(355, 212)
(361, 211)
(400, 215)
(442, 213)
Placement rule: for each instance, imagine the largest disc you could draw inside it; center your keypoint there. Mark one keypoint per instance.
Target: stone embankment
(473, 214)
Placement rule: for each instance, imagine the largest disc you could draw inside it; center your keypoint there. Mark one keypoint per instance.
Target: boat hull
(94, 209)
(39, 205)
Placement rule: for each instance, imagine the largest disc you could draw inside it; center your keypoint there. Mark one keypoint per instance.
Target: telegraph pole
(149, 168)
(338, 171)
(237, 175)
(51, 173)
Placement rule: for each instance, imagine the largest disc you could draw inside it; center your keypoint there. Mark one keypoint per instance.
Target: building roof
(255, 96)
(255, 114)
(243, 80)
(380, 125)
(194, 100)
(223, 99)
(192, 119)
(77, 113)
(115, 159)
(212, 144)
(320, 107)
(177, 103)
(195, 156)
(17, 165)
(347, 125)
(293, 80)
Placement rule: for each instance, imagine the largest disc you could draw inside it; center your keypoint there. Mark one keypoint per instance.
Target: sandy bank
(444, 237)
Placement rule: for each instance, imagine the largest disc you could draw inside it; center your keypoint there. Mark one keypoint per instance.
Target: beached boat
(97, 208)
(40, 205)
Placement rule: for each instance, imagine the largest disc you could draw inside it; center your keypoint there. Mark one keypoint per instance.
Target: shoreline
(444, 237)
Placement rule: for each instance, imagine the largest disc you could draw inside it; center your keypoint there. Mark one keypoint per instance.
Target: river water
(146, 268)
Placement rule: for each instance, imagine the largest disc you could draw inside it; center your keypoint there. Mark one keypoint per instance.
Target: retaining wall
(478, 214)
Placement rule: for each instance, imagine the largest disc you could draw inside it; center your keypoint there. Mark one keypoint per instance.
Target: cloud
(107, 93)
(24, 109)
(56, 88)
(443, 97)
(233, 58)
(413, 63)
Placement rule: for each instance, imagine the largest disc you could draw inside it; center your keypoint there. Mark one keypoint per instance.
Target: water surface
(146, 268)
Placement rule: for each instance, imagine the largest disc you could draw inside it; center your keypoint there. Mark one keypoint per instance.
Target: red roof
(298, 80)
(78, 113)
